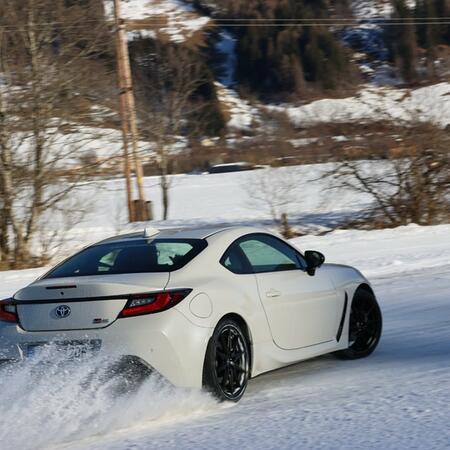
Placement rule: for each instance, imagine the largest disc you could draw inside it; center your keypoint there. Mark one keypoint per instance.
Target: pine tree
(404, 38)
(313, 57)
(428, 32)
(282, 59)
(442, 8)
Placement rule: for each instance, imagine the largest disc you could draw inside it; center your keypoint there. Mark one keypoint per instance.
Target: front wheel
(365, 326)
(227, 362)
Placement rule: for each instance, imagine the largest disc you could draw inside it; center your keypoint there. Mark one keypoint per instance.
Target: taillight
(141, 304)
(8, 311)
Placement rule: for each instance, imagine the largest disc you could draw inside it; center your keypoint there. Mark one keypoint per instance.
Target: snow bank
(379, 253)
(431, 103)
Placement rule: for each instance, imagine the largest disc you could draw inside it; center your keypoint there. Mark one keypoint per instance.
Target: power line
(251, 24)
(264, 19)
(381, 19)
(181, 24)
(158, 22)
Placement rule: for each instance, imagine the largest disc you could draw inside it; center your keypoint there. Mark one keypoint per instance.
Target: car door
(301, 310)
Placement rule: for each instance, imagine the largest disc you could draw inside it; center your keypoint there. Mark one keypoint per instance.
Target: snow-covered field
(215, 199)
(396, 399)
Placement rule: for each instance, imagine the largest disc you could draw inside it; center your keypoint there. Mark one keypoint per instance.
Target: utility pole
(125, 130)
(138, 210)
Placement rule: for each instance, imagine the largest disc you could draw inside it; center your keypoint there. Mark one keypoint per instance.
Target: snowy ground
(365, 9)
(67, 149)
(242, 115)
(431, 103)
(172, 18)
(214, 199)
(396, 399)
(217, 199)
(367, 38)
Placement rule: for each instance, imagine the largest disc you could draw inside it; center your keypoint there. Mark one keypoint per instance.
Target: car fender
(346, 280)
(345, 277)
(227, 296)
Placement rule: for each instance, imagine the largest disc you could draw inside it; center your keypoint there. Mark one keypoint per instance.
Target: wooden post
(125, 128)
(138, 210)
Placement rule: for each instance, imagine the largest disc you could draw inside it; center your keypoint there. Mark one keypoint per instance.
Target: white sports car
(203, 307)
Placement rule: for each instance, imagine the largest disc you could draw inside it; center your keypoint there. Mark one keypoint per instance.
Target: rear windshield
(159, 255)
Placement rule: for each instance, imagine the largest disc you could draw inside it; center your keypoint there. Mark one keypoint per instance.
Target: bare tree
(411, 186)
(171, 81)
(46, 64)
(275, 190)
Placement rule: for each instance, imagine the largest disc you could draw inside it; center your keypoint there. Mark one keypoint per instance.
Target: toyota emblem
(62, 311)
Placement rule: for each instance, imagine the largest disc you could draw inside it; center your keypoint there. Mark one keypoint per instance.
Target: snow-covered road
(398, 398)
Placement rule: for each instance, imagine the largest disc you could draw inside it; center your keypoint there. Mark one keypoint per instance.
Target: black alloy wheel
(227, 362)
(365, 326)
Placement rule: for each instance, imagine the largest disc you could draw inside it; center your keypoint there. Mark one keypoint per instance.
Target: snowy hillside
(363, 9)
(398, 398)
(174, 19)
(380, 99)
(431, 103)
(371, 9)
(78, 144)
(241, 114)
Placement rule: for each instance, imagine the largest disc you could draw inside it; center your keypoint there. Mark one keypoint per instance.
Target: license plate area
(73, 349)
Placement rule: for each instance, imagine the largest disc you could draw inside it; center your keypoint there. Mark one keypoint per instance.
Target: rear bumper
(168, 342)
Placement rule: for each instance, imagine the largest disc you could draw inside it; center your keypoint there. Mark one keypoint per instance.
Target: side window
(170, 253)
(269, 254)
(235, 261)
(106, 263)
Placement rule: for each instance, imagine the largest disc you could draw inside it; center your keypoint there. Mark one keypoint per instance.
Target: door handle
(273, 293)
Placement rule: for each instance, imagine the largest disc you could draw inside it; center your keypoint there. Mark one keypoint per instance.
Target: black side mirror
(314, 260)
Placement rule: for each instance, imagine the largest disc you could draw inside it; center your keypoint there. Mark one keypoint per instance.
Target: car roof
(174, 233)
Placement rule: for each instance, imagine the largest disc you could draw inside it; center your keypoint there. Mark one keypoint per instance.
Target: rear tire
(365, 326)
(227, 362)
